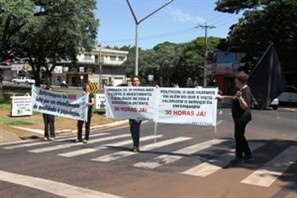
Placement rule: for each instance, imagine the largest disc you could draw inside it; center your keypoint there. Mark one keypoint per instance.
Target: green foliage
(12, 91)
(14, 121)
(47, 31)
(263, 22)
(6, 105)
(172, 63)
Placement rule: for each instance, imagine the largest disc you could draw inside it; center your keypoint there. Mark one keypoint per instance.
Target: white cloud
(181, 16)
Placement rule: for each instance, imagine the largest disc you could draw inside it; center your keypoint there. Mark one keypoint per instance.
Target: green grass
(5, 104)
(14, 122)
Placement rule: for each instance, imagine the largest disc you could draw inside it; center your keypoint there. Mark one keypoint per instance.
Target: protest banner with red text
(163, 105)
(187, 106)
(130, 102)
(60, 104)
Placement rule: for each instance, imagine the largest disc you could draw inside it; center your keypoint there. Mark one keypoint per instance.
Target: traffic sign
(93, 87)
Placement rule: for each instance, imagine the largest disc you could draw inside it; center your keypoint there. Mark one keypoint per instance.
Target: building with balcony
(101, 65)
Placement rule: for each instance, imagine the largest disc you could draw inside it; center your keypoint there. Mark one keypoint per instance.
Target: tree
(263, 22)
(47, 31)
(166, 57)
(159, 62)
(129, 63)
(191, 62)
(172, 63)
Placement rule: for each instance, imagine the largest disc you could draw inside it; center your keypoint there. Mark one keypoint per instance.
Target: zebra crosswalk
(98, 148)
(214, 154)
(167, 159)
(121, 154)
(211, 166)
(268, 173)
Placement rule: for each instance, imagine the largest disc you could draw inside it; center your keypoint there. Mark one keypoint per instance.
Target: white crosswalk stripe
(45, 142)
(167, 159)
(25, 145)
(57, 147)
(268, 173)
(91, 150)
(207, 152)
(121, 154)
(53, 187)
(206, 168)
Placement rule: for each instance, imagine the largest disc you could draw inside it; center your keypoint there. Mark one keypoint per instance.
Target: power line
(178, 32)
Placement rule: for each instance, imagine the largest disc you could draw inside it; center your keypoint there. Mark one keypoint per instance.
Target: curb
(41, 131)
(9, 138)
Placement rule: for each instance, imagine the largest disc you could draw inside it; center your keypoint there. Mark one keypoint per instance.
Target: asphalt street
(175, 161)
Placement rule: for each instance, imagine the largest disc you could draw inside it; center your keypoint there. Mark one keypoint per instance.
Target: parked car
(64, 84)
(274, 104)
(289, 95)
(122, 85)
(25, 80)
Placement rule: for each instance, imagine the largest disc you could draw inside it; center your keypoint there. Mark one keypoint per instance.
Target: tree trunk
(1, 91)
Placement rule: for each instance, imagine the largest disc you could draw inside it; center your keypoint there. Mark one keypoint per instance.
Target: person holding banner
(241, 113)
(80, 123)
(135, 124)
(49, 123)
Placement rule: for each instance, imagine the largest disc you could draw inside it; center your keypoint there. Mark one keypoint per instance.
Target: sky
(178, 22)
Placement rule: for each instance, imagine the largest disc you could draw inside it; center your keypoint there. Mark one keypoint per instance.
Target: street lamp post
(136, 30)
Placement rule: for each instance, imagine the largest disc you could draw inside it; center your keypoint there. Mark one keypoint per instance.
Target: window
(113, 58)
(88, 56)
(121, 58)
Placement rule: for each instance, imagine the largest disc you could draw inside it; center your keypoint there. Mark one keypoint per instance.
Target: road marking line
(206, 168)
(57, 147)
(105, 146)
(219, 122)
(45, 142)
(121, 154)
(25, 145)
(167, 159)
(53, 187)
(273, 169)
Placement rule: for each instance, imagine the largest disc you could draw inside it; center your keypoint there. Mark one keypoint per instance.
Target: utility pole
(100, 69)
(136, 31)
(205, 54)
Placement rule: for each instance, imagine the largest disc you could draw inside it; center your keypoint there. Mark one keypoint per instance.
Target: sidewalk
(10, 137)
(6, 137)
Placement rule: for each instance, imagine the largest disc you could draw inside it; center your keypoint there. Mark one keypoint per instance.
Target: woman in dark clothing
(49, 123)
(135, 124)
(80, 123)
(241, 114)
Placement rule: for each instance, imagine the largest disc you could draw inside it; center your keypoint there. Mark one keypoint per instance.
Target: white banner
(163, 105)
(130, 102)
(100, 101)
(187, 106)
(21, 106)
(60, 104)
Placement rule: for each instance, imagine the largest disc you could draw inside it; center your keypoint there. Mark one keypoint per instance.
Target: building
(222, 71)
(101, 65)
(229, 63)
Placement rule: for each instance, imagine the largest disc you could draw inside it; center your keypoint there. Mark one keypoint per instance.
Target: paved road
(176, 161)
